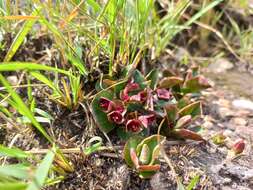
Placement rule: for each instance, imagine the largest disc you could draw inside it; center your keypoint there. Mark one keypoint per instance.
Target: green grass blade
(78, 63)
(202, 12)
(193, 183)
(46, 81)
(22, 108)
(43, 113)
(42, 172)
(19, 171)
(20, 36)
(13, 186)
(15, 66)
(12, 152)
(96, 7)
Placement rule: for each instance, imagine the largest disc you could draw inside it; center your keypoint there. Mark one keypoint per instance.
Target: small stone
(243, 104)
(239, 121)
(224, 102)
(228, 133)
(220, 66)
(225, 112)
(13, 80)
(243, 113)
(227, 180)
(207, 125)
(244, 131)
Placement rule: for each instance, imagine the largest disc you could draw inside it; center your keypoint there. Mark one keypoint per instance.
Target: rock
(13, 80)
(244, 131)
(243, 104)
(220, 66)
(239, 121)
(225, 112)
(228, 133)
(241, 172)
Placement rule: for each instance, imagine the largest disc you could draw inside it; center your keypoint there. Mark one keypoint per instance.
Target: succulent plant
(190, 82)
(238, 146)
(135, 105)
(142, 154)
(141, 102)
(219, 139)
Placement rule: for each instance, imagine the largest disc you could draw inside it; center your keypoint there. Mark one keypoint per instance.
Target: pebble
(13, 80)
(243, 104)
(239, 121)
(225, 112)
(244, 131)
(228, 133)
(220, 66)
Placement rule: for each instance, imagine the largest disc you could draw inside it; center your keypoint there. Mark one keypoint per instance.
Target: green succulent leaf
(170, 82)
(153, 78)
(196, 84)
(131, 143)
(193, 109)
(134, 106)
(139, 78)
(219, 139)
(151, 142)
(145, 155)
(168, 73)
(123, 134)
(184, 101)
(171, 112)
(100, 117)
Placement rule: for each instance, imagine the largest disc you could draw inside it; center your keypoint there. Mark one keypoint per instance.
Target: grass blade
(46, 81)
(19, 171)
(202, 12)
(23, 109)
(20, 36)
(12, 152)
(42, 172)
(13, 186)
(193, 183)
(15, 66)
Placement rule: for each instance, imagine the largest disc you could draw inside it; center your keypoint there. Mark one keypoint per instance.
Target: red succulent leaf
(132, 86)
(116, 117)
(184, 121)
(187, 134)
(140, 97)
(134, 157)
(204, 82)
(147, 120)
(124, 95)
(129, 87)
(163, 93)
(134, 125)
(238, 146)
(146, 168)
(105, 104)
